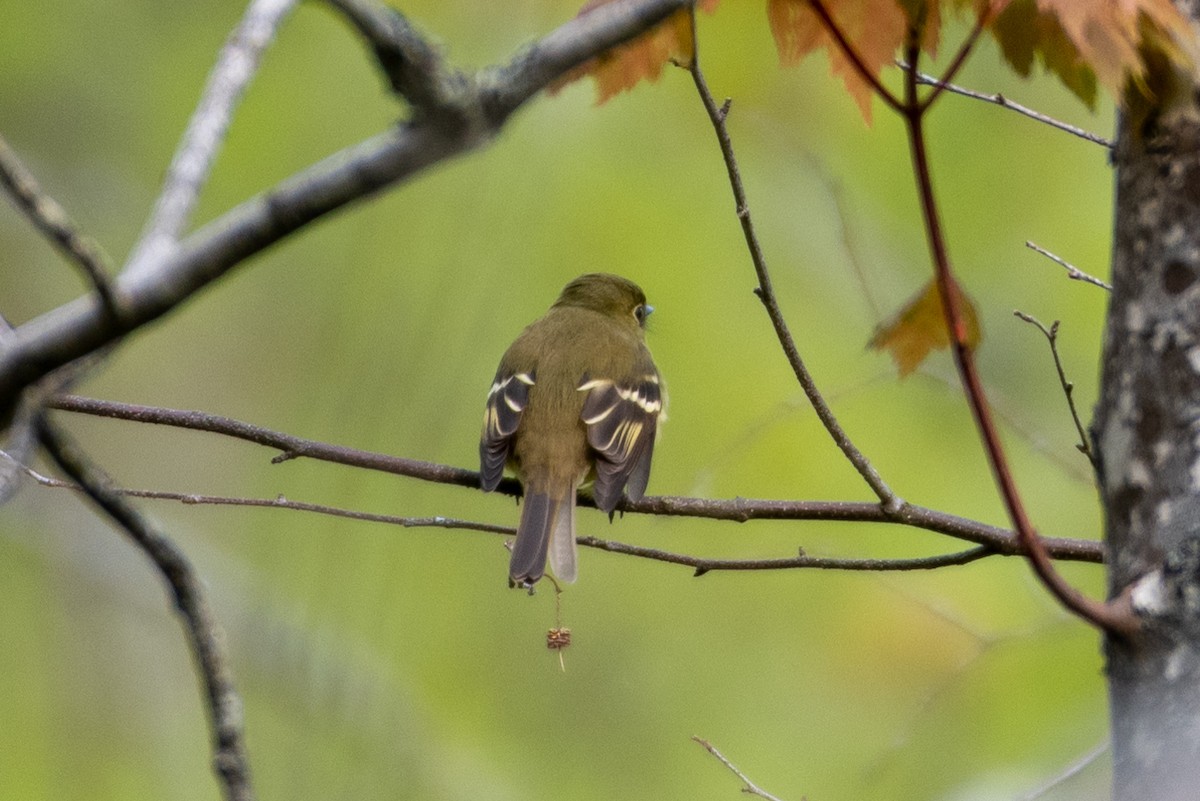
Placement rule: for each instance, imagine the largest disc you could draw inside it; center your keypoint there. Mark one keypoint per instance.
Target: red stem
(959, 59)
(1099, 614)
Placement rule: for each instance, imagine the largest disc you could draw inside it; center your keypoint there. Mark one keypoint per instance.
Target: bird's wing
(506, 402)
(621, 419)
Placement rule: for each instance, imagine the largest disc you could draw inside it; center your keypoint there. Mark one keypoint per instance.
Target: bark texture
(1147, 433)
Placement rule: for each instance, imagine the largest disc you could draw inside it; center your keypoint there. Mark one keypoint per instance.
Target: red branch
(1114, 618)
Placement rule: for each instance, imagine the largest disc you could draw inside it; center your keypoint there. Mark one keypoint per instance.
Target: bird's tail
(547, 527)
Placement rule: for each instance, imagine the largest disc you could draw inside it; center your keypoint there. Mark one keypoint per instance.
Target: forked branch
(469, 119)
(998, 541)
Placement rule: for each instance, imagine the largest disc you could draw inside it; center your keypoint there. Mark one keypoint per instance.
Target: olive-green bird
(577, 398)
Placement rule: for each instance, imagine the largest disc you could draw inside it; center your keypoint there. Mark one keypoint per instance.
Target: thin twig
(204, 634)
(1073, 272)
(699, 564)
(848, 240)
(189, 170)
(749, 787)
(1000, 100)
(52, 220)
(766, 293)
(280, 502)
(292, 447)
(960, 58)
(1071, 771)
(1113, 618)
(702, 565)
(740, 510)
(1068, 388)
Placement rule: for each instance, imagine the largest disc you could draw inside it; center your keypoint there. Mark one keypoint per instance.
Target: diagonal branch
(52, 220)
(960, 58)
(413, 66)
(1004, 102)
(1073, 272)
(766, 293)
(204, 634)
(189, 170)
(749, 787)
(476, 115)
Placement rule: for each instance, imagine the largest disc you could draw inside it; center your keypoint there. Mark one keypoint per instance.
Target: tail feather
(562, 543)
(547, 524)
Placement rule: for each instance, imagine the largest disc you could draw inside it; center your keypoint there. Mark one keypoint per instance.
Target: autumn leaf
(1025, 34)
(920, 327)
(1082, 41)
(874, 28)
(643, 58)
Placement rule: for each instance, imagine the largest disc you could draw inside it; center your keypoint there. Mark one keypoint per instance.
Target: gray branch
(52, 220)
(452, 123)
(190, 168)
(203, 632)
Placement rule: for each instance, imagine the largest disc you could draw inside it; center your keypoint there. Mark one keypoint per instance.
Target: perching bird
(577, 398)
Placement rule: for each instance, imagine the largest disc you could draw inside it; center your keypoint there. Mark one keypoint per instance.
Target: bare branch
(279, 502)
(52, 220)
(478, 112)
(1073, 272)
(741, 510)
(1000, 100)
(1051, 335)
(802, 561)
(749, 787)
(291, 446)
(700, 564)
(412, 65)
(766, 293)
(204, 634)
(235, 68)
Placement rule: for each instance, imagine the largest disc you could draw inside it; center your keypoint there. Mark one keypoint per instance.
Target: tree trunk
(1147, 434)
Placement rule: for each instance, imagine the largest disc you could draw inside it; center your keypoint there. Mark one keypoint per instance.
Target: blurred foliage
(395, 663)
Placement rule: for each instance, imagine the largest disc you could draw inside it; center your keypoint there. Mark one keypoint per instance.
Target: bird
(577, 398)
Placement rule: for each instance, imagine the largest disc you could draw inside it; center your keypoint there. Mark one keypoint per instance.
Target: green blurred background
(394, 663)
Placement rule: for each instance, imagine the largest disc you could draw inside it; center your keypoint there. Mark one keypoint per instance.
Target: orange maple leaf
(640, 59)
(1084, 40)
(874, 28)
(920, 328)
